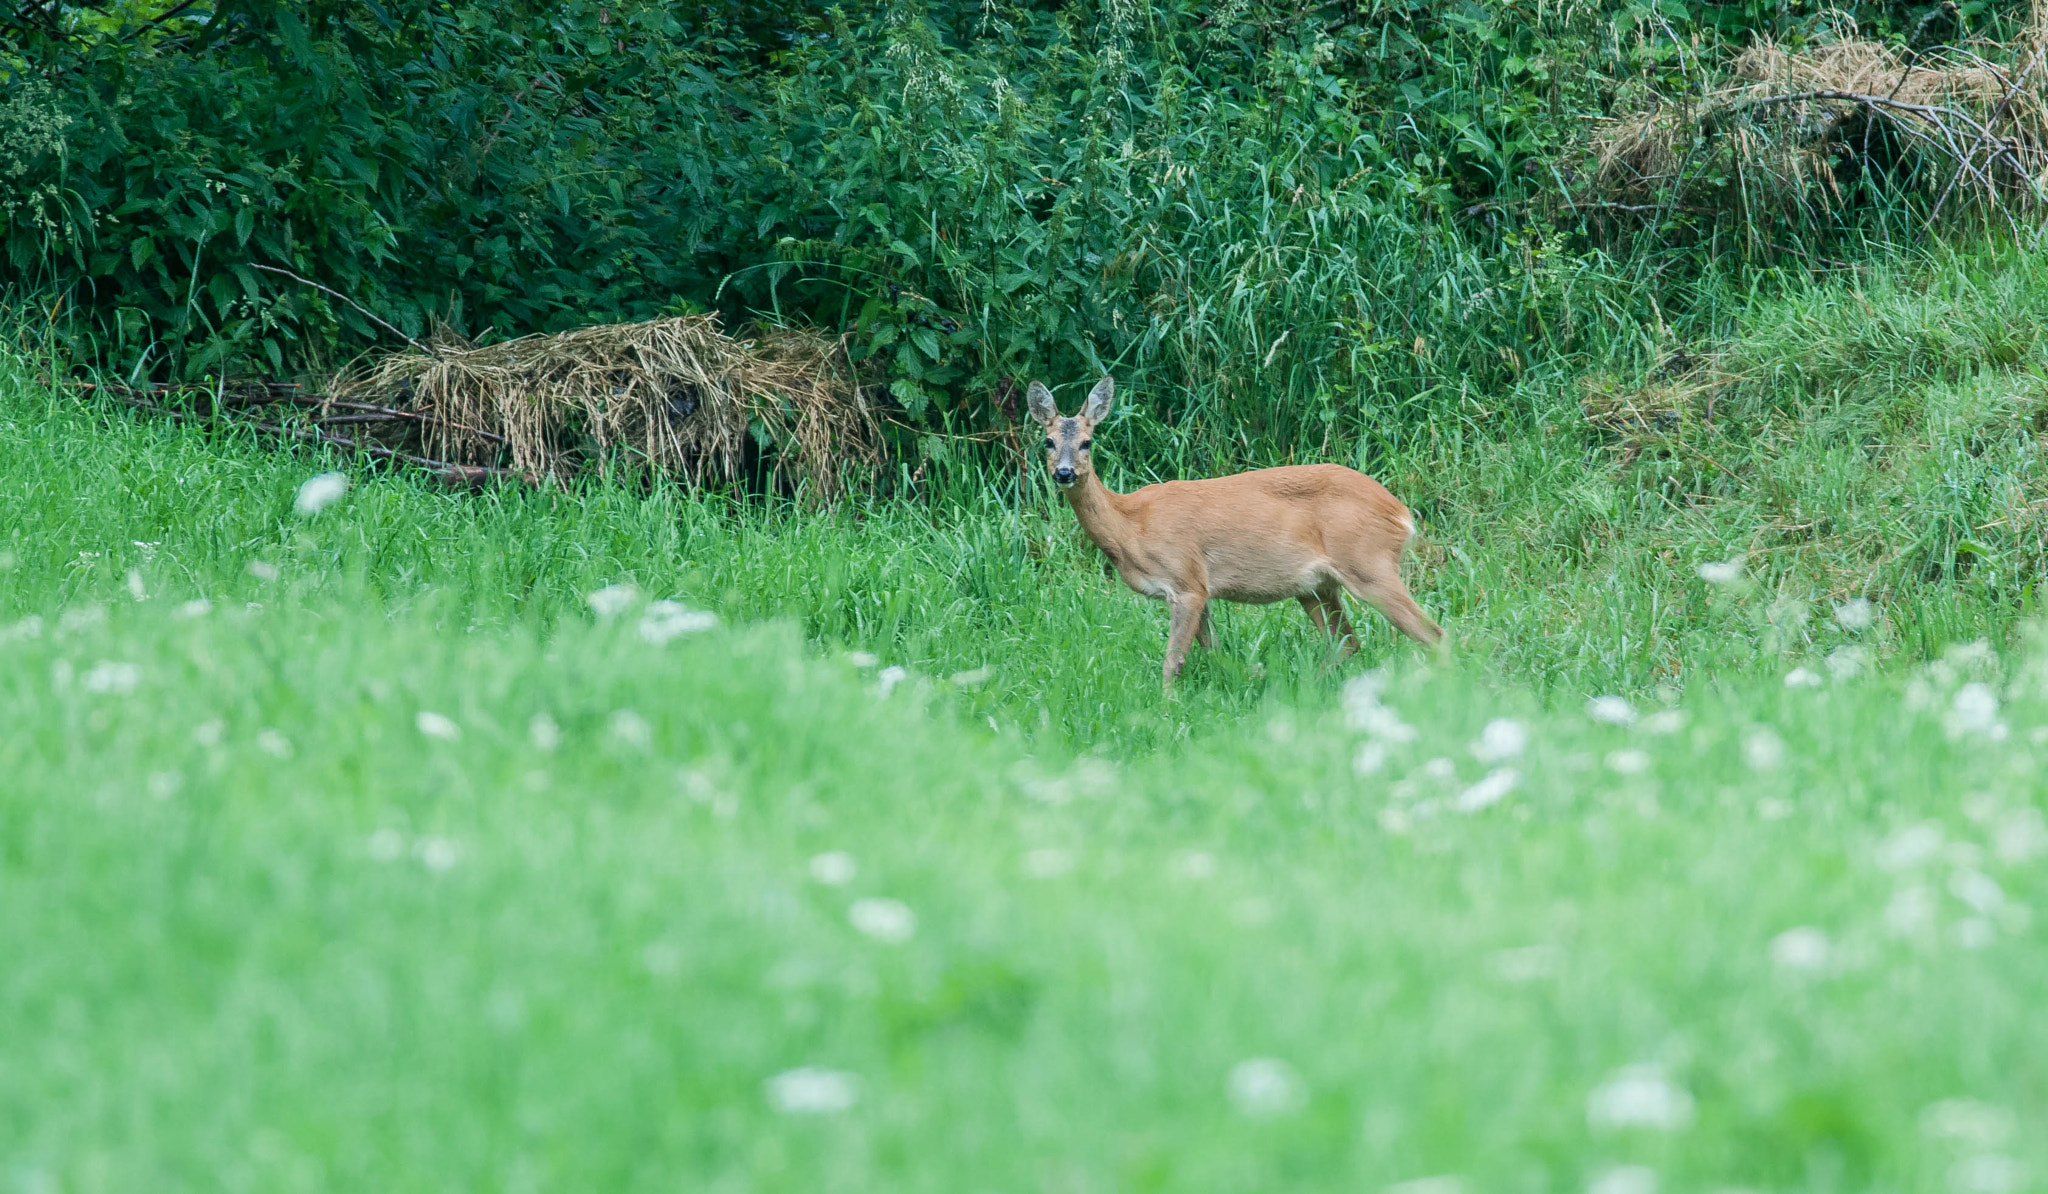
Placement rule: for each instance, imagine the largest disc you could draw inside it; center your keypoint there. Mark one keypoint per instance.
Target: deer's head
(1067, 440)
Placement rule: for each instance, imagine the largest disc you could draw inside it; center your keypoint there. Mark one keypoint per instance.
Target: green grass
(267, 927)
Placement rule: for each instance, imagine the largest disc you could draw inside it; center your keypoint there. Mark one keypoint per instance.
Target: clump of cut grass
(678, 394)
(1774, 135)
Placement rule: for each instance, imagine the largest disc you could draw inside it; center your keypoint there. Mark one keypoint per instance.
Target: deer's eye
(1086, 443)
(1048, 443)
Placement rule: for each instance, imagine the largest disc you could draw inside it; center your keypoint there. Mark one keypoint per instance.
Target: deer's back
(1263, 501)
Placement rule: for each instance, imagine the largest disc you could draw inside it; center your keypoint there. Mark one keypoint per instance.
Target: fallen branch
(366, 312)
(471, 474)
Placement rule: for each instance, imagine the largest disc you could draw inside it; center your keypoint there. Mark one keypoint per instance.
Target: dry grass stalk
(677, 394)
(1781, 120)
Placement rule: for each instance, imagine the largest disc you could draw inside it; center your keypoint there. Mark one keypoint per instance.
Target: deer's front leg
(1188, 612)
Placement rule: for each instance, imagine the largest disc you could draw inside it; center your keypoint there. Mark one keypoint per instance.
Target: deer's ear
(1038, 400)
(1099, 400)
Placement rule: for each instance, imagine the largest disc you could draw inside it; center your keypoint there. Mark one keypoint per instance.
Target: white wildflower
(1624, 1179)
(1440, 769)
(1910, 846)
(263, 570)
(1968, 1122)
(1847, 663)
(319, 492)
(208, 733)
(1911, 912)
(1856, 614)
(1263, 1087)
(22, 631)
(386, 845)
(613, 600)
(1527, 963)
(888, 921)
(1370, 758)
(1988, 1173)
(1488, 791)
(1974, 710)
(272, 743)
(1385, 724)
(1664, 721)
(437, 725)
(1762, 750)
(888, 678)
(1195, 864)
(1048, 862)
(1721, 572)
(833, 868)
(80, 617)
(544, 733)
(1974, 932)
(970, 678)
(1801, 949)
(1628, 762)
(665, 620)
(630, 729)
(1503, 738)
(136, 588)
(2020, 835)
(812, 1091)
(1977, 889)
(1361, 695)
(198, 607)
(662, 958)
(108, 677)
(436, 853)
(1800, 677)
(862, 659)
(1639, 1096)
(1612, 710)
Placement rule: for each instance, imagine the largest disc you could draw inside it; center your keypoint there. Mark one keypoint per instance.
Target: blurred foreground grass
(360, 851)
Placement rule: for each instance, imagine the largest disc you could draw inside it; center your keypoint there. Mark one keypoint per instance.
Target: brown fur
(1307, 532)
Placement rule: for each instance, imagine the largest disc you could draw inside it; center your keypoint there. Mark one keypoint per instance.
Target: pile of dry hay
(678, 395)
(1771, 135)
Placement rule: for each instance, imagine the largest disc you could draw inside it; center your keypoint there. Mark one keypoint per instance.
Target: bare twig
(470, 473)
(366, 313)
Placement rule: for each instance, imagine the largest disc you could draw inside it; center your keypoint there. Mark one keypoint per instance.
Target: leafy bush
(1286, 233)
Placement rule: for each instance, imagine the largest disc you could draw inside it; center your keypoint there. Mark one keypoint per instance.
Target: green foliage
(1291, 235)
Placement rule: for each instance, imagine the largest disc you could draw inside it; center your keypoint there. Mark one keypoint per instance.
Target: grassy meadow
(414, 843)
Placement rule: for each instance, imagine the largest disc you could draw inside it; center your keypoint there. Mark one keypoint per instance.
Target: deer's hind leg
(1380, 587)
(1205, 634)
(1325, 610)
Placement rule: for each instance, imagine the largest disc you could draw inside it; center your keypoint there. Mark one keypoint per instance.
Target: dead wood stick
(468, 472)
(367, 314)
(1997, 114)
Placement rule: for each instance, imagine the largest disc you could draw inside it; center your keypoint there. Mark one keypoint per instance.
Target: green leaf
(911, 395)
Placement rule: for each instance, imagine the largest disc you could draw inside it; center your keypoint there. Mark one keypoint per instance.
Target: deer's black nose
(1064, 476)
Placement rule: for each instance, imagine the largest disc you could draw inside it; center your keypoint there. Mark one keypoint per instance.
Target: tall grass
(1843, 461)
(394, 873)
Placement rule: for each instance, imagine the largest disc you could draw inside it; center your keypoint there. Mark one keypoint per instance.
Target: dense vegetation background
(1291, 230)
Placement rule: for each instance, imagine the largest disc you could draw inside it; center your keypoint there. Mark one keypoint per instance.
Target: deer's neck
(1102, 516)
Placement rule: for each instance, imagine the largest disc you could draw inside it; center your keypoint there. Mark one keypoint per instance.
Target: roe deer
(1308, 531)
